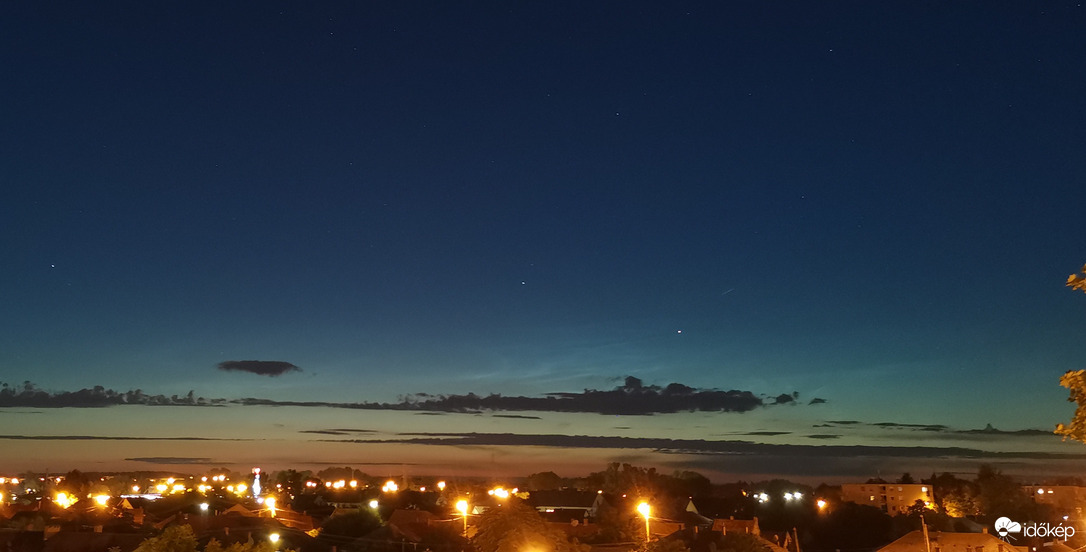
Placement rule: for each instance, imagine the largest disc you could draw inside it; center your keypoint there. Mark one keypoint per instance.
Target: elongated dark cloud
(107, 438)
(270, 368)
(337, 431)
(29, 395)
(171, 460)
(987, 431)
(631, 398)
(702, 446)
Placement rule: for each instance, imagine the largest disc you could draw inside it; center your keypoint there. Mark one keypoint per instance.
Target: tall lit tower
(256, 482)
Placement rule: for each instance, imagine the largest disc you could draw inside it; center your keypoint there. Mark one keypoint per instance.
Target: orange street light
(645, 510)
(462, 507)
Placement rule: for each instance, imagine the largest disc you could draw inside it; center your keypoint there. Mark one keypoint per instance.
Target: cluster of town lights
(788, 497)
(501, 492)
(340, 484)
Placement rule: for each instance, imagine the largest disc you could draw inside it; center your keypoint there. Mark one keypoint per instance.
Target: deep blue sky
(872, 203)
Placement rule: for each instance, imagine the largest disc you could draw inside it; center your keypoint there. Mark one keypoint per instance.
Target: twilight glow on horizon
(738, 238)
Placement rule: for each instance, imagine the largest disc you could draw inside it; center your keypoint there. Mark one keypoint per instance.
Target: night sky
(868, 203)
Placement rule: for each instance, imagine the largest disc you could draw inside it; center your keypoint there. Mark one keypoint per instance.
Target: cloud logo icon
(1005, 526)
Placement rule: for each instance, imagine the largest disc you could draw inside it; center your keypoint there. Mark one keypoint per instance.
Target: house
(733, 526)
(566, 505)
(1066, 499)
(411, 525)
(892, 498)
(938, 541)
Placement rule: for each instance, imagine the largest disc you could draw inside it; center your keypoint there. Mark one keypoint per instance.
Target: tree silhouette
(515, 527)
(1075, 381)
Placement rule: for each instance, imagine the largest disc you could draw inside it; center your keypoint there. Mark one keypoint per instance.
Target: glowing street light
(64, 500)
(645, 510)
(274, 537)
(441, 485)
(462, 507)
(373, 504)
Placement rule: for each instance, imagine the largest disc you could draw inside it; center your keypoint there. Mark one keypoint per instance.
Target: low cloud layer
(631, 398)
(270, 368)
(702, 446)
(936, 428)
(171, 460)
(107, 438)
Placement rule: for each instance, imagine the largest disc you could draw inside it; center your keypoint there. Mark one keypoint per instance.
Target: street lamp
(462, 507)
(645, 510)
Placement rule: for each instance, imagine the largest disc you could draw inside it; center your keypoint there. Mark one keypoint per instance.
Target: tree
(261, 546)
(742, 542)
(178, 538)
(352, 524)
(852, 526)
(75, 483)
(671, 545)
(516, 527)
(1000, 495)
(544, 481)
(1077, 281)
(1075, 381)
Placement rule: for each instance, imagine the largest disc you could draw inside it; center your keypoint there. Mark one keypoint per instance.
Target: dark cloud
(917, 427)
(517, 416)
(107, 438)
(632, 398)
(701, 446)
(817, 400)
(766, 433)
(989, 430)
(171, 460)
(29, 395)
(785, 398)
(823, 436)
(337, 431)
(271, 368)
